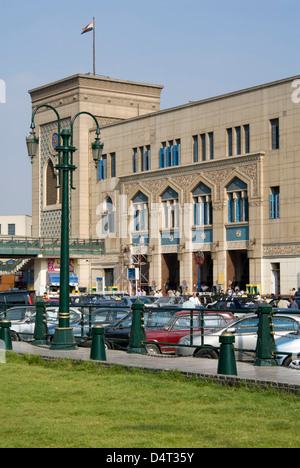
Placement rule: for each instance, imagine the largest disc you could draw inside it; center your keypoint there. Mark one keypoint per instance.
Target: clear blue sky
(195, 48)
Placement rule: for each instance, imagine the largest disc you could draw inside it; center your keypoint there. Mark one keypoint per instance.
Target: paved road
(278, 377)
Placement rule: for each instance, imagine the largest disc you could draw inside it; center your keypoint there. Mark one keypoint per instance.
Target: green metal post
(40, 329)
(63, 337)
(138, 333)
(227, 363)
(265, 348)
(98, 352)
(5, 334)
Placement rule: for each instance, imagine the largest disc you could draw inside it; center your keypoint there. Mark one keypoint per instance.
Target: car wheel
(108, 345)
(287, 361)
(14, 336)
(206, 353)
(152, 349)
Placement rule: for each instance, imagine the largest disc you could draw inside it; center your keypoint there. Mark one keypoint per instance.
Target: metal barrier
(198, 320)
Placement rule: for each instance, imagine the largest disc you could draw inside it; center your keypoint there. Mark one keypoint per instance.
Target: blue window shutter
(238, 207)
(134, 161)
(101, 170)
(195, 214)
(272, 206)
(147, 160)
(246, 209)
(210, 221)
(169, 156)
(162, 157)
(230, 211)
(176, 155)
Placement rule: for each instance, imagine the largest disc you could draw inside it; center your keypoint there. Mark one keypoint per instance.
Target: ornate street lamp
(63, 337)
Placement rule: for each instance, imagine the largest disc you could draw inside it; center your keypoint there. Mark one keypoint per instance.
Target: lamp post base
(63, 339)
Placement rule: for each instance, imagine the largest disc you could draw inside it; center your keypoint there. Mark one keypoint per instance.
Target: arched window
(140, 210)
(202, 205)
(51, 185)
(238, 205)
(170, 209)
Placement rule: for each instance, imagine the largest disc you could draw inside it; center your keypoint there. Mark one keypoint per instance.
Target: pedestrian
(282, 303)
(293, 303)
(187, 304)
(297, 293)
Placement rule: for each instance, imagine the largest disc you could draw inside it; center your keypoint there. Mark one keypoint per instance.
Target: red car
(180, 325)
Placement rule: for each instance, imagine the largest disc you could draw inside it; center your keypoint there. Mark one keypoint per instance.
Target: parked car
(289, 343)
(23, 320)
(169, 300)
(149, 301)
(118, 335)
(83, 323)
(245, 331)
(240, 306)
(180, 324)
(15, 298)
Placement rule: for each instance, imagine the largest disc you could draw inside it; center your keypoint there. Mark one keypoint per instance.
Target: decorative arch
(52, 193)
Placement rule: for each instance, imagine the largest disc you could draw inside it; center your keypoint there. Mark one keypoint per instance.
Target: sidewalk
(276, 377)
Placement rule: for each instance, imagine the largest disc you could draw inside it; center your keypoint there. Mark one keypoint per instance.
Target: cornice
(233, 162)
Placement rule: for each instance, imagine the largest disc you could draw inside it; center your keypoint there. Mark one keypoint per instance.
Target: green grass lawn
(66, 404)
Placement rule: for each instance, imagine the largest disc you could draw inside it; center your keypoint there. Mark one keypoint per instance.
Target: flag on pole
(88, 28)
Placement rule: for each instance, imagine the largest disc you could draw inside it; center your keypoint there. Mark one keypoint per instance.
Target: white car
(23, 320)
(245, 332)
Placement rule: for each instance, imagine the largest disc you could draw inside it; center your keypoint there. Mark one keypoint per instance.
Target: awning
(54, 279)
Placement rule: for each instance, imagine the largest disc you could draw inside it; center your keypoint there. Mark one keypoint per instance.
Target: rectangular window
(195, 148)
(142, 158)
(169, 156)
(238, 140)
(274, 134)
(113, 164)
(211, 145)
(275, 203)
(102, 168)
(147, 158)
(203, 146)
(229, 141)
(247, 138)
(134, 161)
(11, 229)
(238, 207)
(162, 155)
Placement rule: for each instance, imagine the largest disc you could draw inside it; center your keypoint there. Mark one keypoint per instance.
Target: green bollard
(40, 329)
(5, 334)
(265, 348)
(98, 352)
(138, 333)
(227, 363)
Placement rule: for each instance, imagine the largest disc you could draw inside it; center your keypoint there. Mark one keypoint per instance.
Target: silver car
(245, 331)
(288, 344)
(23, 320)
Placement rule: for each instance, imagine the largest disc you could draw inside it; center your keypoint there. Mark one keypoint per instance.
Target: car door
(246, 333)
(119, 334)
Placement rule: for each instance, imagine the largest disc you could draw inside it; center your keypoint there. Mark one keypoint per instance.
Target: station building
(217, 176)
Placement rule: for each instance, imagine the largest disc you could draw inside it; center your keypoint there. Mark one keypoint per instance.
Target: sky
(196, 49)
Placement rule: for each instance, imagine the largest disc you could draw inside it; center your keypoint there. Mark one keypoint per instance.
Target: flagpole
(94, 47)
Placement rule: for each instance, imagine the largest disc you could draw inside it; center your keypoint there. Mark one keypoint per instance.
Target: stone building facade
(217, 176)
